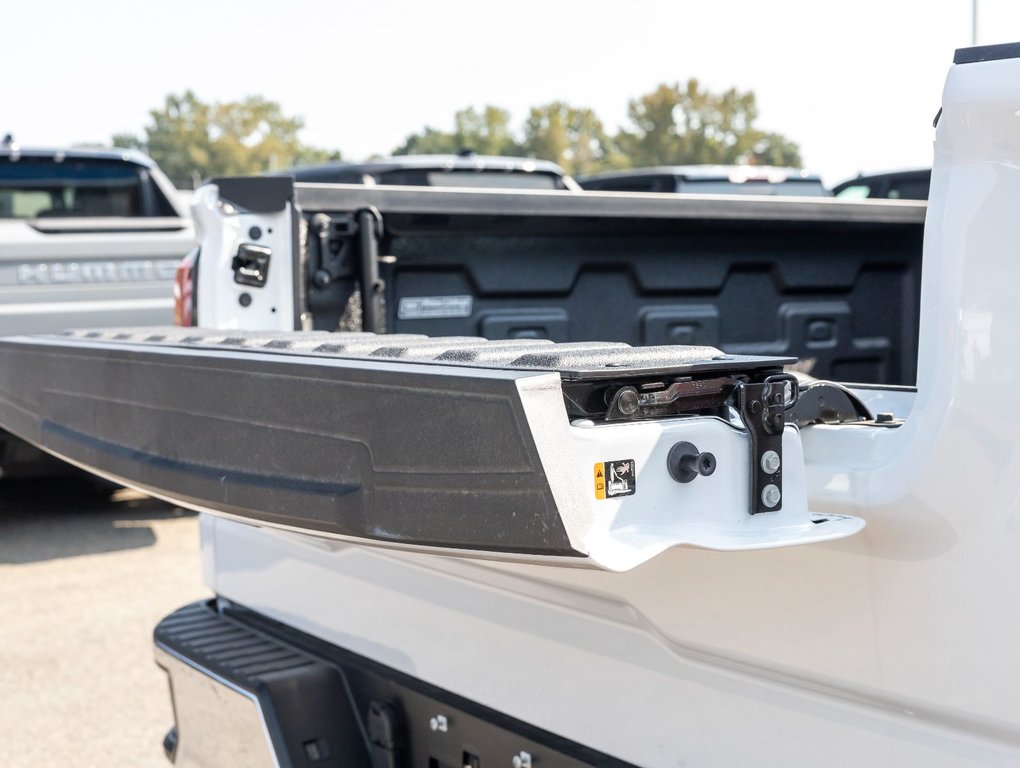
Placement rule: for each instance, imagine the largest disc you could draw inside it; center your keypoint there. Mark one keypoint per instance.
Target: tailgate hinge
(762, 408)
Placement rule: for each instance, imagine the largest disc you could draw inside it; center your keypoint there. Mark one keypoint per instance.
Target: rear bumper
(248, 691)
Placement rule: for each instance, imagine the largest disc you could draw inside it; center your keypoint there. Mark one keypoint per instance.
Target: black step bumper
(249, 691)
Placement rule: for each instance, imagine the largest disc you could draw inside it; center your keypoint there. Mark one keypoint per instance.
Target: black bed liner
(832, 282)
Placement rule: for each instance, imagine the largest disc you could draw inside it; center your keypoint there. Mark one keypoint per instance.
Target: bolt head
(434, 724)
(770, 495)
(770, 462)
(628, 402)
(517, 762)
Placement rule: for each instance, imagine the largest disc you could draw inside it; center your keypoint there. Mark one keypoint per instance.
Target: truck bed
(835, 284)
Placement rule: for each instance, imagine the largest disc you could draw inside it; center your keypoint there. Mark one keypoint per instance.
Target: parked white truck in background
(417, 562)
(87, 237)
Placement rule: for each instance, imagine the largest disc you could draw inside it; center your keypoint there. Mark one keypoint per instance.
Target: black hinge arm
(762, 408)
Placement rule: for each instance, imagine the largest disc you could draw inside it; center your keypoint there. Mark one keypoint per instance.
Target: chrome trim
(107, 305)
(230, 728)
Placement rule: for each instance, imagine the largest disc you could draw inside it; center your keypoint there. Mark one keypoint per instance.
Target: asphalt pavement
(83, 580)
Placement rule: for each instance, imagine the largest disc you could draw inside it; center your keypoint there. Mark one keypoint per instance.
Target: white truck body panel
(272, 305)
(118, 274)
(896, 646)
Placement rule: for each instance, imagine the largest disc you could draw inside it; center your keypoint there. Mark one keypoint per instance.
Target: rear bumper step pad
(250, 691)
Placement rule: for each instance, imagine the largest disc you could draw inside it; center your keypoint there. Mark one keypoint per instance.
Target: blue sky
(856, 84)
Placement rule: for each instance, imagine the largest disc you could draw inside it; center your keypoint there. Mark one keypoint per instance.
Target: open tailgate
(516, 449)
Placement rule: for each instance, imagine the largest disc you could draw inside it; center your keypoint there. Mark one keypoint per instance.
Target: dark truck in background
(710, 180)
(893, 185)
(831, 282)
(465, 169)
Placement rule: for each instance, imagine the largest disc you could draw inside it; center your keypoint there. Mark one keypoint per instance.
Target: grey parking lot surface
(83, 580)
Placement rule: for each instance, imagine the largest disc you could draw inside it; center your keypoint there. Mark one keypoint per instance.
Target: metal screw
(523, 760)
(770, 461)
(770, 495)
(438, 723)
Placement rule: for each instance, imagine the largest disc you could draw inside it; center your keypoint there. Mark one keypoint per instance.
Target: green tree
(682, 124)
(429, 141)
(572, 137)
(191, 139)
(485, 131)
(776, 149)
(127, 141)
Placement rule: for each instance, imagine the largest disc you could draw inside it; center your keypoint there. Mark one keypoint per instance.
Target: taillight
(185, 293)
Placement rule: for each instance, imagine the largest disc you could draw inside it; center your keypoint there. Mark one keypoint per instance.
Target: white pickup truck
(87, 237)
(447, 551)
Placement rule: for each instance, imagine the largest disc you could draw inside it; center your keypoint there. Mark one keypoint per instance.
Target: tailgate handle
(251, 265)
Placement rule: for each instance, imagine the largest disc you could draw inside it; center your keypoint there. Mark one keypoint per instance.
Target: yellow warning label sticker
(615, 478)
(600, 481)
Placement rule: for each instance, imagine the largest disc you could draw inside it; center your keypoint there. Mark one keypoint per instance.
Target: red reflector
(184, 290)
